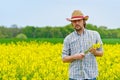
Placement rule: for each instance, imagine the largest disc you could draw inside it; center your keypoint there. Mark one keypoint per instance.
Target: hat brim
(85, 18)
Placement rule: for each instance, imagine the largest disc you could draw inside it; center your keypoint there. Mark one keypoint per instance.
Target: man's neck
(80, 31)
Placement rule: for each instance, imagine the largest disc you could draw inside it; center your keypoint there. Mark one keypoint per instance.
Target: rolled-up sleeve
(98, 38)
(66, 48)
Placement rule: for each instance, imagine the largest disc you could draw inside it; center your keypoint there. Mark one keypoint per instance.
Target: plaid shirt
(75, 43)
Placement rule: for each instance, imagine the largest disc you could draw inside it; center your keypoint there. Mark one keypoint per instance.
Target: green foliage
(29, 31)
(111, 41)
(21, 36)
(53, 40)
(54, 32)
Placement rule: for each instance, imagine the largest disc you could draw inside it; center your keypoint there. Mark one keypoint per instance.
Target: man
(83, 66)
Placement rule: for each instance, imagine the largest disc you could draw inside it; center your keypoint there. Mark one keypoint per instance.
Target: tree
(21, 36)
(29, 31)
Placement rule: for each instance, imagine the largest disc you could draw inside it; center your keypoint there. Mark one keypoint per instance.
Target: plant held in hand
(97, 45)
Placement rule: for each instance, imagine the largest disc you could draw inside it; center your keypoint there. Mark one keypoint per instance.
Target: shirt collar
(82, 33)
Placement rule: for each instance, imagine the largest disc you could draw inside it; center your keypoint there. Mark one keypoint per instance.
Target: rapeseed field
(42, 61)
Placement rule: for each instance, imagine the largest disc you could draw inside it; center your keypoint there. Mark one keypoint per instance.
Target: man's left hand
(93, 50)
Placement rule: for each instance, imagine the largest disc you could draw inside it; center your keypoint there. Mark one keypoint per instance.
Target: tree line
(53, 32)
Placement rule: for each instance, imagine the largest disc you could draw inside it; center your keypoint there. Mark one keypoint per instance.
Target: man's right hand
(78, 56)
(71, 58)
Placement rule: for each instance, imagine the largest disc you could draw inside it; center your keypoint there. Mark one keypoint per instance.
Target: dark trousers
(83, 79)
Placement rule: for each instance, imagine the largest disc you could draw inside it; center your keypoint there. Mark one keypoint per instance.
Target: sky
(42, 13)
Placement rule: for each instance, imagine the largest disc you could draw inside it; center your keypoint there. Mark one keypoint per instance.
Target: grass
(54, 40)
(111, 41)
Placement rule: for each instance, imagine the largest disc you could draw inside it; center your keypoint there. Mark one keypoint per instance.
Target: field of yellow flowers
(42, 61)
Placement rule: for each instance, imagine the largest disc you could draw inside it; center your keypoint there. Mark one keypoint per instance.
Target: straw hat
(77, 15)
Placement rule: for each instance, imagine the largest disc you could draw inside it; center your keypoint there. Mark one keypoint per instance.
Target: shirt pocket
(74, 47)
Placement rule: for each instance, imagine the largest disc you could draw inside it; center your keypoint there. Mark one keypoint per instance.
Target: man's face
(78, 24)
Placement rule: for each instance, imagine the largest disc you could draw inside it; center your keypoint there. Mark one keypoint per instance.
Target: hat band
(77, 17)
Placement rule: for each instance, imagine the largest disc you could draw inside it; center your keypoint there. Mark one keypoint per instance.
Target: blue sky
(54, 12)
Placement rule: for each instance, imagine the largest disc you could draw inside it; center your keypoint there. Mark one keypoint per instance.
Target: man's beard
(78, 27)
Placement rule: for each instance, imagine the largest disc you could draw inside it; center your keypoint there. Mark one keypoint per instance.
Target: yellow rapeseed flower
(97, 45)
(42, 61)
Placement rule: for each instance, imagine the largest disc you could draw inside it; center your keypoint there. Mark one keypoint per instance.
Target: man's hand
(93, 50)
(71, 58)
(78, 56)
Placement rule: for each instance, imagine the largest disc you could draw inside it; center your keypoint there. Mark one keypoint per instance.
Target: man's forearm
(71, 58)
(68, 59)
(98, 53)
